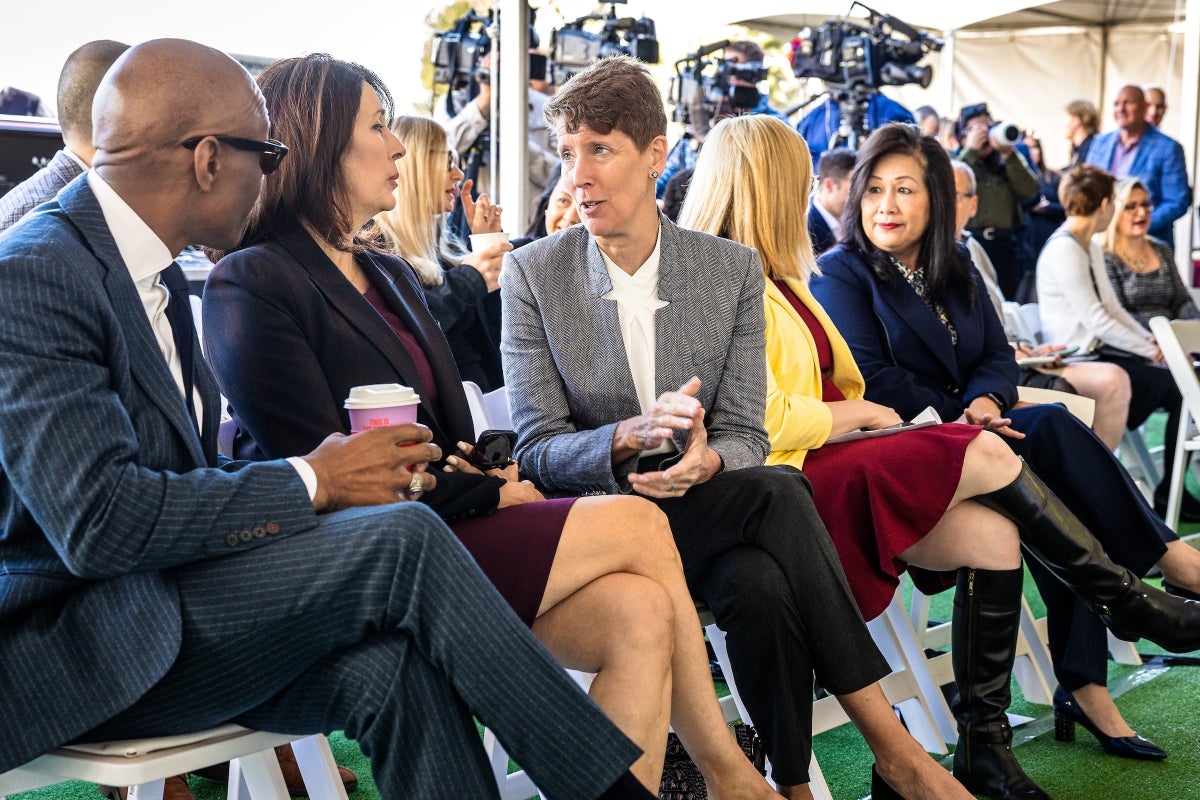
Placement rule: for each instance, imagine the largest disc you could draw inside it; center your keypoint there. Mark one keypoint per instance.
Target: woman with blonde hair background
(460, 286)
(882, 500)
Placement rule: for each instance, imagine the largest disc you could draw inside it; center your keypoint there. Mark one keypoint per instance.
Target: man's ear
(206, 163)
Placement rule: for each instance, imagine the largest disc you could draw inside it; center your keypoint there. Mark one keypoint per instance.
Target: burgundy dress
(878, 497)
(514, 547)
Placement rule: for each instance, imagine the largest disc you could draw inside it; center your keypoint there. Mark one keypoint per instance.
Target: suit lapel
(359, 313)
(607, 349)
(673, 349)
(146, 362)
(911, 310)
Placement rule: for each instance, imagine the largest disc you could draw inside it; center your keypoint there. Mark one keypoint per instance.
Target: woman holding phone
(306, 308)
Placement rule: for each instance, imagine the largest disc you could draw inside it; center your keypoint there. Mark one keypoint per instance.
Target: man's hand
(380, 465)
(697, 465)
(672, 411)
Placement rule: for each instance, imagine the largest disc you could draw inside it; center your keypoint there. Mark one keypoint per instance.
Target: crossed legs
(377, 622)
(616, 603)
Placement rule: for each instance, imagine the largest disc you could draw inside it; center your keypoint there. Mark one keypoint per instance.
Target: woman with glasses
(461, 287)
(305, 308)
(1140, 267)
(1079, 307)
(915, 315)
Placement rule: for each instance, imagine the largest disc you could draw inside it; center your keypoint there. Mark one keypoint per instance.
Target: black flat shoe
(1189, 510)
(1067, 713)
(880, 789)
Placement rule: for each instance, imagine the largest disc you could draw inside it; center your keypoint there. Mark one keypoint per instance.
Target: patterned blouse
(1151, 294)
(916, 279)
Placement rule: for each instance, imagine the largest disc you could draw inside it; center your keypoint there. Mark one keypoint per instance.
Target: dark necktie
(179, 314)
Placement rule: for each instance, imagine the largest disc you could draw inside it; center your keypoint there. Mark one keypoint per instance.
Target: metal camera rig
(855, 59)
(573, 47)
(703, 89)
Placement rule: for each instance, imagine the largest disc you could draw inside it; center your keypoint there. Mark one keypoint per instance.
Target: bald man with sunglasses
(148, 588)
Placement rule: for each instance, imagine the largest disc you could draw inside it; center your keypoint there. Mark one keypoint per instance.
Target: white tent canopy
(1026, 59)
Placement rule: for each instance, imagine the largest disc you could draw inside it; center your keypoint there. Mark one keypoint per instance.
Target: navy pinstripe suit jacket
(104, 484)
(567, 373)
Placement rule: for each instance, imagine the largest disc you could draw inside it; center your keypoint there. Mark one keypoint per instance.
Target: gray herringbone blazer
(567, 372)
(43, 185)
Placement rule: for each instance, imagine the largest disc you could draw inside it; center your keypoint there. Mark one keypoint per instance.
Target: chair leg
(320, 771)
(1179, 469)
(256, 777)
(151, 790)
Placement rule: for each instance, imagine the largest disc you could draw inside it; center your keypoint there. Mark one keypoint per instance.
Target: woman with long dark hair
(305, 308)
(917, 320)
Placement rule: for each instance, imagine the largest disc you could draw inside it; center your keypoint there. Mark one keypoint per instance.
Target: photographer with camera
(468, 132)
(736, 82)
(1004, 180)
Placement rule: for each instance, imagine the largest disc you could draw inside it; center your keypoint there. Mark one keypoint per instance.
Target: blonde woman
(460, 286)
(1141, 268)
(943, 497)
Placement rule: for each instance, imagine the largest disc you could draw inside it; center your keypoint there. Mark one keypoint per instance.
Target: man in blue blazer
(146, 589)
(1138, 148)
(829, 198)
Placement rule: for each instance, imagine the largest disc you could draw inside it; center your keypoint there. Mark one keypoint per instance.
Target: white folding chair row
(144, 764)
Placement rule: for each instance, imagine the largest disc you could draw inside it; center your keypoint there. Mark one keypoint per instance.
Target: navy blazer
(289, 336)
(903, 350)
(818, 231)
(104, 484)
(1160, 164)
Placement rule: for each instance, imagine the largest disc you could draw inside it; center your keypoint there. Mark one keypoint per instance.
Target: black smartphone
(493, 450)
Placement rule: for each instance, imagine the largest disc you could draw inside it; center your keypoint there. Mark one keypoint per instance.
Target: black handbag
(681, 778)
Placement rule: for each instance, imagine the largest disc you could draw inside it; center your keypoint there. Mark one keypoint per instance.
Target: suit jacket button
(260, 531)
(272, 528)
(246, 535)
(231, 539)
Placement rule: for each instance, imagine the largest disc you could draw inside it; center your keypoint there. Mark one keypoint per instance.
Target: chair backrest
(1032, 318)
(1022, 321)
(1082, 407)
(1179, 341)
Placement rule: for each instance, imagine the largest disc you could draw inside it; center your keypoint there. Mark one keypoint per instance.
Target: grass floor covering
(1159, 701)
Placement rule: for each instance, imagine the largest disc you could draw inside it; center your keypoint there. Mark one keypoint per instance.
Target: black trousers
(755, 551)
(1079, 468)
(1153, 388)
(1010, 256)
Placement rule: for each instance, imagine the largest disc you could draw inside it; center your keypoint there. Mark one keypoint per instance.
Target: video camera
(572, 47)
(703, 87)
(853, 56)
(458, 51)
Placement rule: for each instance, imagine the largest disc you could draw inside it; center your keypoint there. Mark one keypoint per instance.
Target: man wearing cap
(1003, 179)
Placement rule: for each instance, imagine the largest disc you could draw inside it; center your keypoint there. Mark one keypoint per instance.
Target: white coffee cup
(379, 404)
(484, 241)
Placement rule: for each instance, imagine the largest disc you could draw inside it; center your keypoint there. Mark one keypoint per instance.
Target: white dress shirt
(638, 303)
(146, 256)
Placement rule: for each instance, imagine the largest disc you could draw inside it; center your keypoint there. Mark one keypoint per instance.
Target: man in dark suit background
(81, 74)
(829, 199)
(146, 590)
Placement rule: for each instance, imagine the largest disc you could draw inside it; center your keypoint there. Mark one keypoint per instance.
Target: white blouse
(638, 303)
(1077, 303)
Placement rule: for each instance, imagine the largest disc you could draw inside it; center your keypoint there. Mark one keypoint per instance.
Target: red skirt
(515, 548)
(878, 497)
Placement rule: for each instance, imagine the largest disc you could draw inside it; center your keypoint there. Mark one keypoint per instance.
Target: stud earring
(653, 174)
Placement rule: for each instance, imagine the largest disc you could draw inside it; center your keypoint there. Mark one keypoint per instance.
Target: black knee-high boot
(1054, 536)
(987, 613)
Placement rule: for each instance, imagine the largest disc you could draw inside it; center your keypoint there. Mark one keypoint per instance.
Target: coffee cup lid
(381, 395)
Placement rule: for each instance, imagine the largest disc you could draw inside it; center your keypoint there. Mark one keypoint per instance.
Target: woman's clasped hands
(513, 493)
(672, 411)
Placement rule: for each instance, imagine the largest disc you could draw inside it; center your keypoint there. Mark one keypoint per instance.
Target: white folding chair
(1179, 341)
(144, 764)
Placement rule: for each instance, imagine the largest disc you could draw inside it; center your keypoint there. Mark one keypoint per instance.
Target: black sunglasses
(270, 152)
